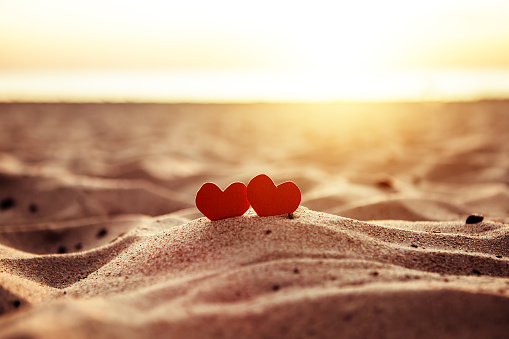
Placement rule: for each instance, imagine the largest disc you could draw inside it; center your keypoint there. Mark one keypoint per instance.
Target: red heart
(267, 199)
(216, 204)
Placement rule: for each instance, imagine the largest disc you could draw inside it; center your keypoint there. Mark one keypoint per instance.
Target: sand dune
(403, 208)
(252, 276)
(29, 199)
(99, 235)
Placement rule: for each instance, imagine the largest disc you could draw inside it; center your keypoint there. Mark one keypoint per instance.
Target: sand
(100, 238)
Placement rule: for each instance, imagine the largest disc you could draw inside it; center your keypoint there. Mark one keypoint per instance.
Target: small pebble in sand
(33, 208)
(385, 183)
(474, 219)
(7, 203)
(101, 233)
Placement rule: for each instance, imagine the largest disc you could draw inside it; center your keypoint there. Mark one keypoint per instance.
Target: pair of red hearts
(266, 198)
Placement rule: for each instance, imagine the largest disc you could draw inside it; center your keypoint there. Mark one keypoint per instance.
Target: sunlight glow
(114, 86)
(227, 50)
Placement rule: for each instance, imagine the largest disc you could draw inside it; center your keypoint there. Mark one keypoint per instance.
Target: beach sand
(402, 232)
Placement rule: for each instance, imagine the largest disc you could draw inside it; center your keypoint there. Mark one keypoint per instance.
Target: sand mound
(250, 276)
(403, 209)
(100, 238)
(34, 199)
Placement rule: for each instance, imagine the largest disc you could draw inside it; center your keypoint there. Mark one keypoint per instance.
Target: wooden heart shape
(216, 204)
(267, 199)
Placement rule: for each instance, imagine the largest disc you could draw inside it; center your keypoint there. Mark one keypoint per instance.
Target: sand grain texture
(99, 236)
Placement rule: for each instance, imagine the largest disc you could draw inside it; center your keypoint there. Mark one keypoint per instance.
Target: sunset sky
(264, 50)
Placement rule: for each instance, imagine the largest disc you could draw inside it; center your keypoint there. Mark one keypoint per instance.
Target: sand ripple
(99, 236)
(235, 277)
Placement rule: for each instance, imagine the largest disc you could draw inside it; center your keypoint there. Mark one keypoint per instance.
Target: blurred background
(119, 108)
(230, 51)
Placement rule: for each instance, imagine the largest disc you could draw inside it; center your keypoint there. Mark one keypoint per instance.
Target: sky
(221, 50)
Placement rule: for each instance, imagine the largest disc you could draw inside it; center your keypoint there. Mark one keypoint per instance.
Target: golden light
(268, 50)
